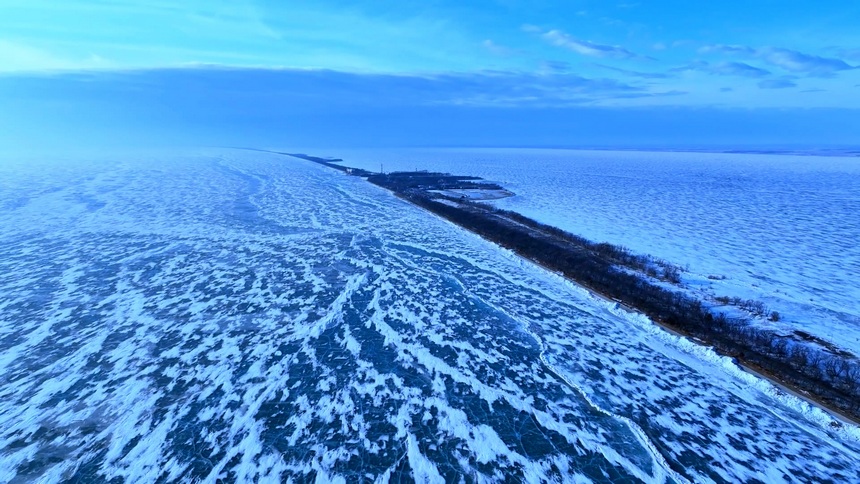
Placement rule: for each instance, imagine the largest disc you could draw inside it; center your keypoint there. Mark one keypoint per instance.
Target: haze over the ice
(580, 73)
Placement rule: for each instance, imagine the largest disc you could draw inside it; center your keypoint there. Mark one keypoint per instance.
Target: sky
(498, 72)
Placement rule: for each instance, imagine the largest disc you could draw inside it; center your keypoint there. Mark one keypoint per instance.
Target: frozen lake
(781, 229)
(240, 315)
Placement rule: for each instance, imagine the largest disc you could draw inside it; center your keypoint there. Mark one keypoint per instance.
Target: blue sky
(797, 57)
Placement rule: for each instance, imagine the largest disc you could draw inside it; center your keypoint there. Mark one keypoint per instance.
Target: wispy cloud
(301, 33)
(627, 72)
(18, 57)
(639, 95)
(853, 54)
(727, 49)
(785, 59)
(553, 88)
(782, 83)
(554, 67)
(583, 47)
(739, 69)
(794, 61)
(326, 89)
(500, 50)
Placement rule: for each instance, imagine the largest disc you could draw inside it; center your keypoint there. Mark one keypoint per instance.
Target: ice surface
(246, 316)
(782, 229)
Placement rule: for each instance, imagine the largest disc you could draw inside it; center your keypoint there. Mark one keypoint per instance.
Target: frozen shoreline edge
(829, 414)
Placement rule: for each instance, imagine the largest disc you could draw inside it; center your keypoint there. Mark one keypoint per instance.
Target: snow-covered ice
(782, 229)
(247, 316)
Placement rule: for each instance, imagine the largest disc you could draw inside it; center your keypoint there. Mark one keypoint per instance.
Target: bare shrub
(672, 274)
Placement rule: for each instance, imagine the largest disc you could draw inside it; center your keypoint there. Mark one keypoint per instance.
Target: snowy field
(237, 315)
(782, 229)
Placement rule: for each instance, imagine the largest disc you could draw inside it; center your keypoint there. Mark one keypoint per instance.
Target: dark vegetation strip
(831, 379)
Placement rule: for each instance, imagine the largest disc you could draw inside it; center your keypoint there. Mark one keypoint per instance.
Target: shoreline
(595, 268)
(742, 365)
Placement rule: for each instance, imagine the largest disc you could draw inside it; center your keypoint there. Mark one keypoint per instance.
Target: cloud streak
(782, 83)
(564, 40)
(738, 69)
(484, 88)
(798, 62)
(785, 59)
(20, 57)
(500, 50)
(641, 75)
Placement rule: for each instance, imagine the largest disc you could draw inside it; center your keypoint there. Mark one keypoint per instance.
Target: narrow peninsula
(817, 372)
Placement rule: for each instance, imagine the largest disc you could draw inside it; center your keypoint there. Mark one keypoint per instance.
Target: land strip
(830, 380)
